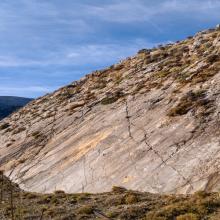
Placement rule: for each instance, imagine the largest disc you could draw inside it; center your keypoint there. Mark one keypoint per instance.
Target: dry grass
(191, 101)
(118, 204)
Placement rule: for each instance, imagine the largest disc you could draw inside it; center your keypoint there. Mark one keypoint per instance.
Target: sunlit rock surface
(149, 123)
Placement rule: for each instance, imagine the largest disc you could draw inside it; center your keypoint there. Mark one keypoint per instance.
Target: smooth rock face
(149, 123)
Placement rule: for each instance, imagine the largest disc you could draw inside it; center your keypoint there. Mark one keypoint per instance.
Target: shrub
(4, 126)
(54, 200)
(112, 214)
(19, 130)
(173, 210)
(133, 212)
(82, 196)
(86, 210)
(31, 196)
(58, 192)
(118, 67)
(131, 199)
(188, 216)
(108, 100)
(162, 74)
(55, 211)
(118, 189)
(143, 51)
(22, 160)
(190, 101)
(36, 134)
(212, 58)
(68, 216)
(111, 98)
(45, 199)
(201, 194)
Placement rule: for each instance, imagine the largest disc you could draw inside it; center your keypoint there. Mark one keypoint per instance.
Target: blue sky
(45, 44)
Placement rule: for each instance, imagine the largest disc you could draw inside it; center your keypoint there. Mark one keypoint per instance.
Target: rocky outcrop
(149, 123)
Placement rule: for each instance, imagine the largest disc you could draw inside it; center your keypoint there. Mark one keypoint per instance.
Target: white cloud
(26, 91)
(102, 53)
(26, 14)
(80, 55)
(139, 10)
(189, 5)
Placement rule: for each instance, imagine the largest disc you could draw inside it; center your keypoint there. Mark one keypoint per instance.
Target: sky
(46, 44)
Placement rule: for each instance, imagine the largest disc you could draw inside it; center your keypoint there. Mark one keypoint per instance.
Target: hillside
(9, 104)
(149, 123)
(118, 204)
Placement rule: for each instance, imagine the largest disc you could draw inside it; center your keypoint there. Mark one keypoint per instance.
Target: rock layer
(148, 123)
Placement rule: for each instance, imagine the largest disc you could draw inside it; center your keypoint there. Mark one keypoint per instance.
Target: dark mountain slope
(9, 104)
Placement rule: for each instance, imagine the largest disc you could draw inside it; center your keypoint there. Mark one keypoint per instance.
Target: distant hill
(9, 104)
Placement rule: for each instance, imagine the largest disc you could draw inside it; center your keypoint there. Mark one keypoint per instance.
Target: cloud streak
(87, 54)
(25, 91)
(139, 10)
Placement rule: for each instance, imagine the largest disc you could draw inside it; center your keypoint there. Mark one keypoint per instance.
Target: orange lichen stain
(78, 151)
(127, 179)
